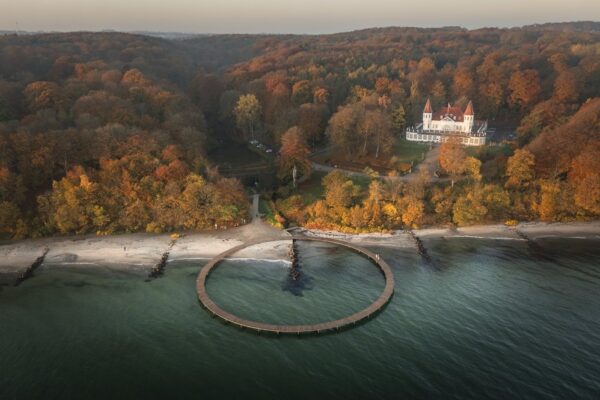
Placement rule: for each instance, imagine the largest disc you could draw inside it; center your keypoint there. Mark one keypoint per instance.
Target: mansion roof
(452, 112)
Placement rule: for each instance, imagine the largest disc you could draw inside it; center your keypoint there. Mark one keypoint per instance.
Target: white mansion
(446, 123)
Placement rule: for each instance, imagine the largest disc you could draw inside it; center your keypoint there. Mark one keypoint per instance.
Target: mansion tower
(447, 122)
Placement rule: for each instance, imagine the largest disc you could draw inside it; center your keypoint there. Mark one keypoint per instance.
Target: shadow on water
(310, 335)
(546, 253)
(538, 252)
(299, 285)
(77, 284)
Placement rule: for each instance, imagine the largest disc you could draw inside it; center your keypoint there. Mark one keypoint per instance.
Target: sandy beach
(141, 252)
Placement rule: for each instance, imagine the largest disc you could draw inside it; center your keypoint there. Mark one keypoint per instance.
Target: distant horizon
(309, 17)
(208, 33)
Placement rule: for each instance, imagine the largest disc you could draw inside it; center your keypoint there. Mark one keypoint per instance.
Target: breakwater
(159, 268)
(420, 246)
(28, 273)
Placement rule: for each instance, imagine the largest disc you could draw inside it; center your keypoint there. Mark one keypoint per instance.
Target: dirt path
(255, 202)
(429, 164)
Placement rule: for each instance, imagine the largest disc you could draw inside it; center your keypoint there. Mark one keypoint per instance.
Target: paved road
(255, 214)
(430, 164)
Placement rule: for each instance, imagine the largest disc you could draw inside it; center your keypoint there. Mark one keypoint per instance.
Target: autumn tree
(42, 94)
(247, 113)
(520, 169)
(472, 168)
(342, 127)
(555, 201)
(398, 119)
(301, 92)
(452, 158)
(469, 208)
(413, 211)
(375, 127)
(205, 91)
(496, 200)
(311, 119)
(339, 190)
(463, 83)
(11, 101)
(362, 124)
(294, 153)
(584, 176)
(525, 88)
(566, 87)
(321, 96)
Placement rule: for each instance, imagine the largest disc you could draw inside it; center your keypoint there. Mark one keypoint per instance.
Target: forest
(112, 132)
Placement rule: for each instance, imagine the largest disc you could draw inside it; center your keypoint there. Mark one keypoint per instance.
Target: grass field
(402, 155)
(235, 155)
(408, 152)
(489, 152)
(312, 189)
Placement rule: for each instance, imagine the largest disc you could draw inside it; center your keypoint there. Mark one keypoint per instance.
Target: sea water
(485, 319)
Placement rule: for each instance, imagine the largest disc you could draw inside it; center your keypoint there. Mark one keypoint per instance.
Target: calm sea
(487, 319)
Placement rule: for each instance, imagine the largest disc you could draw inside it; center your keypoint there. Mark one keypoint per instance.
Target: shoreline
(142, 251)
(533, 230)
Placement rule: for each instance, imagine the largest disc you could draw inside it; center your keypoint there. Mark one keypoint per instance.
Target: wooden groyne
(294, 270)
(338, 324)
(534, 247)
(159, 268)
(28, 273)
(420, 246)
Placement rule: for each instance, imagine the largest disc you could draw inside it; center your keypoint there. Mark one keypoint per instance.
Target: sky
(283, 16)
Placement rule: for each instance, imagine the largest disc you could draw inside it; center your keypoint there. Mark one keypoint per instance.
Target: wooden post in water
(294, 273)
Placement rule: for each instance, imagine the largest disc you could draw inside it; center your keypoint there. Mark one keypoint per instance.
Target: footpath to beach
(144, 252)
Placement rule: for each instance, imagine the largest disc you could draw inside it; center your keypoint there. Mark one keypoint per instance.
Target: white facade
(441, 138)
(449, 122)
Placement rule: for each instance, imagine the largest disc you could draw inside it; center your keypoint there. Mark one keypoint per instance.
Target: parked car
(254, 141)
(269, 150)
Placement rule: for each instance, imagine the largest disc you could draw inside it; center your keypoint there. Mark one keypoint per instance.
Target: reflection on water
(494, 321)
(333, 282)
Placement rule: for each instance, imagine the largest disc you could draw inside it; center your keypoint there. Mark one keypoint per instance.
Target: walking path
(430, 164)
(255, 202)
(376, 306)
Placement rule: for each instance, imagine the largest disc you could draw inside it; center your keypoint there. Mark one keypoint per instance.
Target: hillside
(107, 132)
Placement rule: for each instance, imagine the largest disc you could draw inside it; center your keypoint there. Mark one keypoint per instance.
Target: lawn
(235, 155)
(488, 152)
(409, 152)
(312, 189)
(402, 155)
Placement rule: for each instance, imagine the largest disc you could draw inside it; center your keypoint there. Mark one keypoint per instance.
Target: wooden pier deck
(373, 308)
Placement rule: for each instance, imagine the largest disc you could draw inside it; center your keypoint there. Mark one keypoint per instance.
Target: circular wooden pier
(337, 324)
